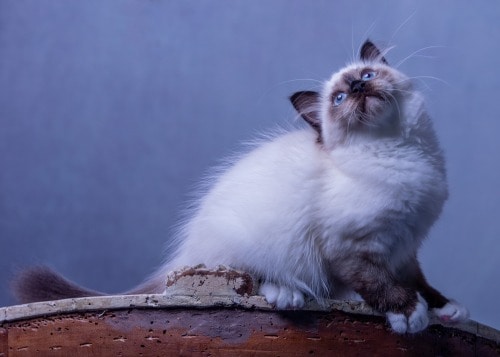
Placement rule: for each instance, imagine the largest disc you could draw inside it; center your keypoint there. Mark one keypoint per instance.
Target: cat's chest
(356, 191)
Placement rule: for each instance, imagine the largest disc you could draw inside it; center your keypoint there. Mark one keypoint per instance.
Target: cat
(336, 209)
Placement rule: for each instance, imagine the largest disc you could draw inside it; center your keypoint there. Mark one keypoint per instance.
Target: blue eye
(339, 99)
(368, 76)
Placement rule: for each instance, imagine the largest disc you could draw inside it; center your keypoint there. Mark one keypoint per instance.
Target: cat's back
(275, 167)
(264, 188)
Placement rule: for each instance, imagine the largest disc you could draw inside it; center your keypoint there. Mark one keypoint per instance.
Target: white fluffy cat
(337, 208)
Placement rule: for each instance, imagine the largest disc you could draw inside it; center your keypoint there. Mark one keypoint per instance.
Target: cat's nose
(357, 86)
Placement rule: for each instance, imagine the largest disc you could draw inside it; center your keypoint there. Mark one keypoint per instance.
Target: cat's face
(364, 97)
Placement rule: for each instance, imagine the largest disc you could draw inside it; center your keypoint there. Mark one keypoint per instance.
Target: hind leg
(448, 311)
(370, 276)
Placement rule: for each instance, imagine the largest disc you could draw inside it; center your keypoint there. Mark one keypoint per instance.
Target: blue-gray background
(111, 111)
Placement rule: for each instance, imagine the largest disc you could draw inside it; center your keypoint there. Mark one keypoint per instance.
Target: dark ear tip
(302, 95)
(294, 96)
(367, 45)
(368, 42)
(369, 51)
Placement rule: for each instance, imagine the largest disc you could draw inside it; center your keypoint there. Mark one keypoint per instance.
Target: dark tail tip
(41, 283)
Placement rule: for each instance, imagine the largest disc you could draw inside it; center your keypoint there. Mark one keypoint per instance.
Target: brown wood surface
(229, 332)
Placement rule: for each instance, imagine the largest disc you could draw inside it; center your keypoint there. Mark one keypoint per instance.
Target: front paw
(283, 297)
(452, 312)
(417, 321)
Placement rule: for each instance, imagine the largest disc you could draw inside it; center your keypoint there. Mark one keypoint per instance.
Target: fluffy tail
(41, 283)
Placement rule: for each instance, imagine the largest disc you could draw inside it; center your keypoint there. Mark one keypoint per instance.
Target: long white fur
(289, 205)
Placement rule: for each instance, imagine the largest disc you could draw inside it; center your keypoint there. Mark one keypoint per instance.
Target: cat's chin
(369, 111)
(373, 106)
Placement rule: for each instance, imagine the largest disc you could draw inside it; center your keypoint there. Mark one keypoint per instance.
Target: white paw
(417, 321)
(452, 312)
(282, 296)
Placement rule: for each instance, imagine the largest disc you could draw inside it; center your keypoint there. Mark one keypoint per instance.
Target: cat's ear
(307, 103)
(370, 52)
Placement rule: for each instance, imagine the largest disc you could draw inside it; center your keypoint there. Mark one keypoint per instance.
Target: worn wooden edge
(162, 301)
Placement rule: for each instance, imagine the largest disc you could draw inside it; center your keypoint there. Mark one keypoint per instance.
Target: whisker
(364, 119)
(365, 36)
(434, 78)
(401, 26)
(350, 121)
(298, 80)
(370, 29)
(402, 91)
(387, 50)
(396, 103)
(318, 86)
(353, 58)
(414, 54)
(421, 80)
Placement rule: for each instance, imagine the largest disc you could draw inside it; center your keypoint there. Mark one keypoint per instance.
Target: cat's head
(363, 99)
